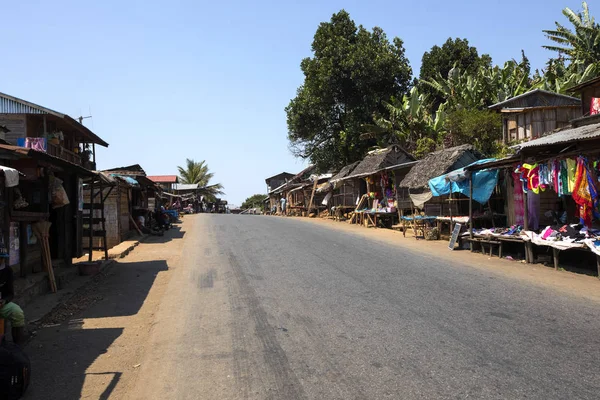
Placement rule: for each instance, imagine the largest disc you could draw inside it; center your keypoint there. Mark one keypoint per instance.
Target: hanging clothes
(564, 179)
(571, 167)
(544, 177)
(533, 177)
(585, 193)
(533, 210)
(556, 176)
(518, 199)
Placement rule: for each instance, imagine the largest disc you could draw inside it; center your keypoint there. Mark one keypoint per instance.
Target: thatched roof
(379, 160)
(439, 163)
(344, 172)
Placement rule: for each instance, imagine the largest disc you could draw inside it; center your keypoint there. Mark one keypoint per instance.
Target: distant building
(535, 113)
(277, 180)
(166, 182)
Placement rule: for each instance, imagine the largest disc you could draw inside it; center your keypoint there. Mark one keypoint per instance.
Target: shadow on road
(174, 233)
(64, 349)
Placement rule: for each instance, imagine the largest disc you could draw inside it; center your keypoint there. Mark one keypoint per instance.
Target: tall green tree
(440, 60)
(580, 43)
(198, 173)
(254, 201)
(352, 71)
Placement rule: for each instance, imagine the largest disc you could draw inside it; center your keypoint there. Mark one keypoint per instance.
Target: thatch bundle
(439, 163)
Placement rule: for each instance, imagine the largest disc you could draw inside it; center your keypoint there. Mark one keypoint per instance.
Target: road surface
(251, 307)
(282, 308)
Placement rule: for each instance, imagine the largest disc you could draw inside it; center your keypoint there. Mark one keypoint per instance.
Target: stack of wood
(42, 232)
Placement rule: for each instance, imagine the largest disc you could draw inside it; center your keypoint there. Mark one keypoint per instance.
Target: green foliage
(582, 42)
(254, 201)
(406, 122)
(351, 73)
(440, 60)
(198, 173)
(425, 145)
(481, 128)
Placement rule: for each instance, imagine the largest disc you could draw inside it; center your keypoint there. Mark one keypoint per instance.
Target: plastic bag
(59, 194)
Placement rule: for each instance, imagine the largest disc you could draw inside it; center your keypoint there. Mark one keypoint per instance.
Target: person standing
(283, 206)
(9, 310)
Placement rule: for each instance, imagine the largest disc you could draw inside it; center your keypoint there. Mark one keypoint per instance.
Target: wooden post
(471, 212)
(91, 223)
(555, 253)
(312, 196)
(450, 204)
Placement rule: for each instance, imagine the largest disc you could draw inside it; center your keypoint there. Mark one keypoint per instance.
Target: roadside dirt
(91, 346)
(564, 281)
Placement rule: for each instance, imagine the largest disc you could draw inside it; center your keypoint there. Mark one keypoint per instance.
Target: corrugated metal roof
(185, 186)
(582, 85)
(164, 178)
(568, 135)
(537, 98)
(13, 105)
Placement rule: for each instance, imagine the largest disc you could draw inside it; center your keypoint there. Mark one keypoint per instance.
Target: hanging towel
(11, 176)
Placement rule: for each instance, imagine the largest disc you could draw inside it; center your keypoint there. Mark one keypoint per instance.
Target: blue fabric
(127, 179)
(484, 183)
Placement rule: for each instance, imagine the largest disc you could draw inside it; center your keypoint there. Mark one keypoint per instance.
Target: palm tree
(581, 44)
(198, 173)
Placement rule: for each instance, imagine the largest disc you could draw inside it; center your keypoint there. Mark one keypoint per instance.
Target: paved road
(275, 308)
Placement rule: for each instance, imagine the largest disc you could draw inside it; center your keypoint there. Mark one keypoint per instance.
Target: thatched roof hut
(379, 160)
(344, 172)
(439, 163)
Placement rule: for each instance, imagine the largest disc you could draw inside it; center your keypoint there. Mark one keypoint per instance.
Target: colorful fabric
(556, 176)
(564, 179)
(544, 176)
(585, 193)
(533, 210)
(571, 168)
(533, 177)
(518, 199)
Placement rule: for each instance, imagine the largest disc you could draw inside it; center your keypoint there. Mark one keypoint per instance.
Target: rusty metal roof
(537, 98)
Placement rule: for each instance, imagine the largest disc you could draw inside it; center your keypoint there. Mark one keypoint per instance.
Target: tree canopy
(352, 71)
(198, 173)
(440, 60)
(356, 93)
(254, 201)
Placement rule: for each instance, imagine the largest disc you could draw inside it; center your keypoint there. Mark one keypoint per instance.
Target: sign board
(454, 236)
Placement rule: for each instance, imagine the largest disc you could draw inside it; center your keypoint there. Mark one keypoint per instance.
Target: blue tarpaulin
(457, 181)
(127, 179)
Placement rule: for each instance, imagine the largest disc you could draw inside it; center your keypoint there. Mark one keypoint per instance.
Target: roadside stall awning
(457, 181)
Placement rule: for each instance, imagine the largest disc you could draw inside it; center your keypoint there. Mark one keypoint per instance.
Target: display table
(418, 223)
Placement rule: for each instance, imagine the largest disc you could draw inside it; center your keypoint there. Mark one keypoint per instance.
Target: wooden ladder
(96, 225)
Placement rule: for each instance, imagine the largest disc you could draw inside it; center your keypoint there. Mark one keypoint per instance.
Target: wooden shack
(535, 113)
(435, 164)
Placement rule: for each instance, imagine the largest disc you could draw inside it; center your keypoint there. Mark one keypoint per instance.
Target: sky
(165, 81)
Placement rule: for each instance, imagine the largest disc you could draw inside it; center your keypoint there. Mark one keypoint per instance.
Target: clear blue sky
(166, 81)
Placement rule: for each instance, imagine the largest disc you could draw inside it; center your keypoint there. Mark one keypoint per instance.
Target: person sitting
(8, 310)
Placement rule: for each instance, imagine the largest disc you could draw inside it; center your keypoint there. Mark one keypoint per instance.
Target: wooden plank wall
(16, 124)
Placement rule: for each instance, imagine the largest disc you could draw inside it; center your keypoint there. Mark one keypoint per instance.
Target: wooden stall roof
(438, 163)
(378, 160)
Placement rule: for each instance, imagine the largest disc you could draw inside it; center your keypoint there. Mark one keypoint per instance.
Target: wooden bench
(490, 242)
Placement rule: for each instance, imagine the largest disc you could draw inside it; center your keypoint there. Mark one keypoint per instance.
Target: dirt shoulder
(538, 274)
(91, 346)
